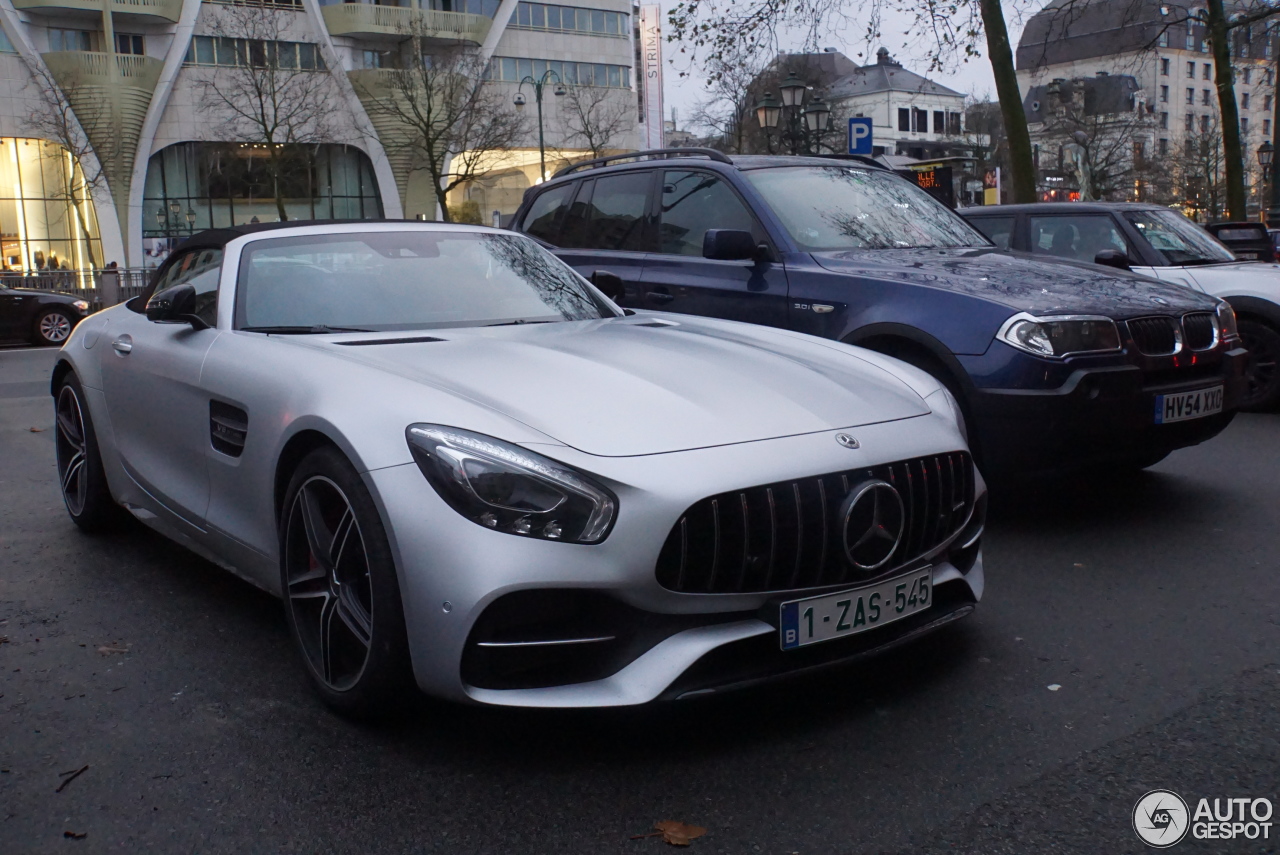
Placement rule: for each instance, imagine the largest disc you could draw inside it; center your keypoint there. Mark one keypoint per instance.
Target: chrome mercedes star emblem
(846, 440)
(874, 520)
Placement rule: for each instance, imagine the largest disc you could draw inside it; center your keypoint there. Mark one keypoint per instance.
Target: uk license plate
(1188, 405)
(816, 619)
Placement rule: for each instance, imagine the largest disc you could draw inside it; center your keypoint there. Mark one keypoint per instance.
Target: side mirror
(176, 305)
(729, 245)
(1112, 258)
(610, 284)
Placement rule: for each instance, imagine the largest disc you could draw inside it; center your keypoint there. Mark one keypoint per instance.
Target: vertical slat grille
(1154, 336)
(1199, 330)
(788, 536)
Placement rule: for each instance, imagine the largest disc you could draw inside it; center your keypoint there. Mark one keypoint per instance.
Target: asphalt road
(1152, 602)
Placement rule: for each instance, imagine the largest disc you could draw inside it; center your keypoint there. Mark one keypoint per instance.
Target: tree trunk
(1220, 39)
(273, 161)
(1021, 164)
(442, 200)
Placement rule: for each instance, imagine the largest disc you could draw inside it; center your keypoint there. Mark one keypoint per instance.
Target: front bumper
(1100, 414)
(455, 576)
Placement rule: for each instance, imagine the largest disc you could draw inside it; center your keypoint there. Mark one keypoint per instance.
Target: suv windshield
(847, 207)
(1177, 239)
(399, 280)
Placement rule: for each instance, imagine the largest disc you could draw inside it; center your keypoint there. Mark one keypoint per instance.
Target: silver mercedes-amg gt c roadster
(460, 465)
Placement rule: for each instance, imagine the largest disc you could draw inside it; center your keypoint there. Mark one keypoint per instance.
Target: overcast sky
(973, 77)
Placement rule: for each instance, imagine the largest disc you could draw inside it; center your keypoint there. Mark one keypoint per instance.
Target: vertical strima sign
(651, 74)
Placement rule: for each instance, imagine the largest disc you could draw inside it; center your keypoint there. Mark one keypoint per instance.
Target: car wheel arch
(61, 369)
(291, 456)
(1256, 307)
(912, 346)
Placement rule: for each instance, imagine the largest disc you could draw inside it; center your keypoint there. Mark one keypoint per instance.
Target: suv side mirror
(176, 305)
(609, 284)
(1112, 258)
(729, 245)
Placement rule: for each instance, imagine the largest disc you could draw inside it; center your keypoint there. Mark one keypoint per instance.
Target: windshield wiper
(516, 322)
(314, 329)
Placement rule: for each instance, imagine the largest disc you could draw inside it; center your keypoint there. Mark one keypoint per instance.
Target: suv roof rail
(656, 154)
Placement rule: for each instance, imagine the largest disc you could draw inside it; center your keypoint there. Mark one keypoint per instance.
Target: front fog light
(506, 488)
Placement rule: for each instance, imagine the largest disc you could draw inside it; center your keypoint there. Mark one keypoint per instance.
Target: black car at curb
(38, 317)
(1055, 366)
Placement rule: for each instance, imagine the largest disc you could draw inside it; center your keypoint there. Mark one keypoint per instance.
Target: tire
(1263, 368)
(80, 476)
(52, 327)
(341, 595)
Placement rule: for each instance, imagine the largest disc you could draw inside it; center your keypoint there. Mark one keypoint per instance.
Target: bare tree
(727, 32)
(272, 92)
(728, 110)
(595, 117)
(1202, 169)
(443, 114)
(64, 127)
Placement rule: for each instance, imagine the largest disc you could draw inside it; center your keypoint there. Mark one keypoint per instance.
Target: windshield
(844, 207)
(402, 280)
(1177, 239)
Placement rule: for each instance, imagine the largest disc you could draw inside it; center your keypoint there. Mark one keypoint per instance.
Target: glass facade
(47, 220)
(200, 185)
(544, 16)
(488, 8)
(515, 69)
(207, 50)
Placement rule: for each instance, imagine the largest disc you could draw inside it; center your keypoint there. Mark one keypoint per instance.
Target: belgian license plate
(1188, 405)
(815, 619)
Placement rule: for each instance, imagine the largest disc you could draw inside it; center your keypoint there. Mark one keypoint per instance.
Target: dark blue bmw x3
(1055, 364)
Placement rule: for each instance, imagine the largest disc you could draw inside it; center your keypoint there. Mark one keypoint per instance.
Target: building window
(953, 124)
(904, 119)
(1191, 70)
(1244, 101)
(206, 50)
(82, 40)
(1191, 41)
(1267, 75)
(1248, 75)
(1208, 72)
(1204, 124)
(1164, 67)
(225, 184)
(129, 44)
(47, 221)
(1164, 94)
(1204, 45)
(1164, 146)
(1191, 95)
(939, 121)
(1191, 122)
(1164, 38)
(919, 120)
(515, 69)
(1244, 127)
(1188, 148)
(1204, 97)
(543, 16)
(1164, 121)
(1266, 102)
(1266, 127)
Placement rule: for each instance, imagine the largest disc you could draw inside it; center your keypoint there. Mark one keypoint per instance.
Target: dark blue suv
(1055, 365)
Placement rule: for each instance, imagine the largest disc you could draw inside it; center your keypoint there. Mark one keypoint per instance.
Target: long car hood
(647, 385)
(1022, 282)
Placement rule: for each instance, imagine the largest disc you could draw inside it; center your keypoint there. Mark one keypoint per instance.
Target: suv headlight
(503, 487)
(1060, 336)
(82, 305)
(1227, 322)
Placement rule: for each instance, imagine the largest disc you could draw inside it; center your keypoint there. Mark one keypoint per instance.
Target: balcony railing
(356, 19)
(93, 68)
(168, 10)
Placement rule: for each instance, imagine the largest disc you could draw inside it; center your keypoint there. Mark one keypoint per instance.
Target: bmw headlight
(1227, 322)
(504, 487)
(82, 305)
(1060, 336)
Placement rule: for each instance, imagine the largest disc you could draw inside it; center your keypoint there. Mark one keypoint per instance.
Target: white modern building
(129, 74)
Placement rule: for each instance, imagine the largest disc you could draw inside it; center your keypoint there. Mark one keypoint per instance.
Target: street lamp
(802, 129)
(537, 97)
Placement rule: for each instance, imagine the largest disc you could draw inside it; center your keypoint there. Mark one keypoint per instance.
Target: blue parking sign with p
(860, 135)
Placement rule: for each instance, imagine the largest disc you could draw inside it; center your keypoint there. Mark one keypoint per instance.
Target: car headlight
(504, 487)
(1060, 336)
(82, 305)
(1227, 322)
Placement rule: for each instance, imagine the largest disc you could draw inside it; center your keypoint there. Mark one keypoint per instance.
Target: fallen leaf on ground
(36, 430)
(109, 650)
(75, 835)
(1053, 687)
(674, 832)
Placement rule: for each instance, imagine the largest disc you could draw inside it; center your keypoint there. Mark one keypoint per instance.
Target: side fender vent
(228, 427)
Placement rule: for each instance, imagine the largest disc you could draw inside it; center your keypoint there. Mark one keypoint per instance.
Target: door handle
(660, 296)
(122, 345)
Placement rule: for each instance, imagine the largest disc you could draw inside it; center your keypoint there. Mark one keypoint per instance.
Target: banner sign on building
(651, 75)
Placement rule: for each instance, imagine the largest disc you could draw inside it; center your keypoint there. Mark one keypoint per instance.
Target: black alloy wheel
(80, 476)
(53, 326)
(340, 589)
(1262, 371)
